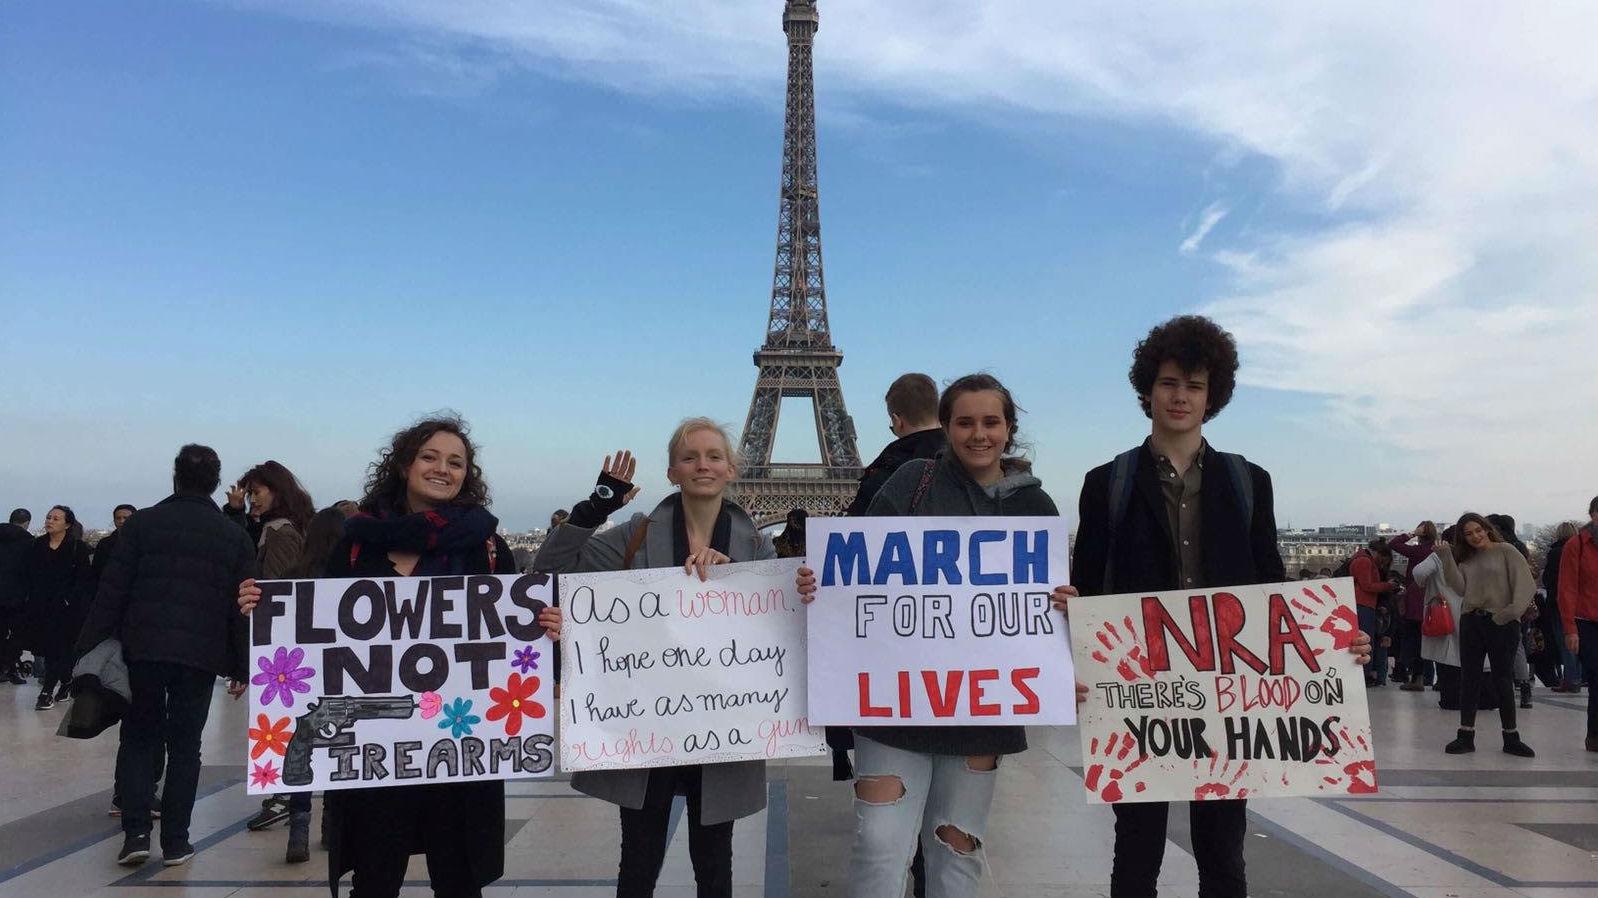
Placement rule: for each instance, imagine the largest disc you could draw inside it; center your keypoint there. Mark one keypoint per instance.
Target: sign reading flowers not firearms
(661, 669)
(398, 681)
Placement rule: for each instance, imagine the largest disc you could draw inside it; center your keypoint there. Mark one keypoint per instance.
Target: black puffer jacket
(14, 543)
(921, 444)
(170, 588)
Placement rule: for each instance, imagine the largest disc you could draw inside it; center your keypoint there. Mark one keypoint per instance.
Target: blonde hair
(690, 425)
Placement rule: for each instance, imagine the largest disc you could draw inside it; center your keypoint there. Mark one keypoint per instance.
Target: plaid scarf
(441, 536)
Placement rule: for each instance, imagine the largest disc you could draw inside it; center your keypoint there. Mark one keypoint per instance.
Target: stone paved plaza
(1475, 826)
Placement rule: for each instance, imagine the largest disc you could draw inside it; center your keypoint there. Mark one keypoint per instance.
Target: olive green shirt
(1182, 511)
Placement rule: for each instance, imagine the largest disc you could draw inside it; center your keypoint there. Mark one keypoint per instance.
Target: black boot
(299, 850)
(1513, 745)
(1464, 743)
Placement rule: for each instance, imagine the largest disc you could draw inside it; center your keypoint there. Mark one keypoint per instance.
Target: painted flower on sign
(263, 775)
(282, 675)
(525, 659)
(458, 718)
(514, 702)
(267, 736)
(429, 703)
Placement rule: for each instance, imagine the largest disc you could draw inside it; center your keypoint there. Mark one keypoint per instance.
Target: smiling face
(978, 433)
(260, 499)
(1179, 398)
(55, 523)
(1476, 535)
(435, 476)
(702, 464)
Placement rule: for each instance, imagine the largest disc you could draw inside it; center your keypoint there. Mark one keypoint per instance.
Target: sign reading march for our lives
(926, 621)
(1246, 691)
(660, 669)
(399, 681)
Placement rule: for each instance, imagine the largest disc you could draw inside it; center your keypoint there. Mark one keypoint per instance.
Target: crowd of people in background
(170, 582)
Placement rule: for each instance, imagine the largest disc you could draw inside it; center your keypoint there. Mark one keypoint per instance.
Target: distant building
(1325, 547)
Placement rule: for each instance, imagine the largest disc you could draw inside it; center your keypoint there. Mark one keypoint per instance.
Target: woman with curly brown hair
(1498, 587)
(425, 513)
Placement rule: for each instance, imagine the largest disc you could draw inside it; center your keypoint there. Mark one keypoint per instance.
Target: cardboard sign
(398, 681)
(659, 669)
(1245, 691)
(925, 621)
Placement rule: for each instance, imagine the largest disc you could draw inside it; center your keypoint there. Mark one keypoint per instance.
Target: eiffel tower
(798, 358)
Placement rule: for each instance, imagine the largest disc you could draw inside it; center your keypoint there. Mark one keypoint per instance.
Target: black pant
(157, 769)
(57, 670)
(1587, 649)
(643, 838)
(1479, 637)
(382, 875)
(10, 639)
(170, 705)
(1218, 828)
(1415, 666)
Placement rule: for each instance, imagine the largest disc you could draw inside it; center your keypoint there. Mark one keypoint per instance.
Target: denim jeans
(170, 705)
(939, 791)
(1570, 664)
(1378, 665)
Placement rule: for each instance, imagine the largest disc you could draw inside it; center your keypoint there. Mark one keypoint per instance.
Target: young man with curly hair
(1185, 516)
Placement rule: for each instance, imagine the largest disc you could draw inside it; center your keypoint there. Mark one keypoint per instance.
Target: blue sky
(287, 229)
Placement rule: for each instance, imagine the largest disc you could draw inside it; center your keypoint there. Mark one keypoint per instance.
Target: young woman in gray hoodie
(937, 782)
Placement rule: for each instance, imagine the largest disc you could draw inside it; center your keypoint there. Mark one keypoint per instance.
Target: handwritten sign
(659, 669)
(1228, 693)
(939, 622)
(398, 681)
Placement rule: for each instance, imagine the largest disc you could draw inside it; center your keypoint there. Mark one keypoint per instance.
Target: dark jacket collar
(193, 498)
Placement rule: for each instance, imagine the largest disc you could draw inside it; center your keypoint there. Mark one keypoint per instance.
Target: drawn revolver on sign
(326, 724)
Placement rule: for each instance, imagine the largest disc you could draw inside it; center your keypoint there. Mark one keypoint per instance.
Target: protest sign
(398, 681)
(928, 621)
(1247, 691)
(660, 669)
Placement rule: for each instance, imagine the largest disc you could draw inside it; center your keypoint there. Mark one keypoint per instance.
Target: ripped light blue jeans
(938, 791)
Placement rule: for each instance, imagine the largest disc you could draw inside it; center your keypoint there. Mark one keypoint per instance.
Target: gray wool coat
(729, 790)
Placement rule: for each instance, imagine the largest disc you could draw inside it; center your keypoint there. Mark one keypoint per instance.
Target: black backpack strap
(1123, 473)
(923, 486)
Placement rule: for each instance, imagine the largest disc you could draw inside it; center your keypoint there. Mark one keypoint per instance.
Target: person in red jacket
(1369, 570)
(1414, 600)
(1578, 606)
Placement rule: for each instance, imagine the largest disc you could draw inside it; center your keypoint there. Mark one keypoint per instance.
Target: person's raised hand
(235, 497)
(804, 581)
(621, 466)
(701, 561)
(249, 596)
(1061, 597)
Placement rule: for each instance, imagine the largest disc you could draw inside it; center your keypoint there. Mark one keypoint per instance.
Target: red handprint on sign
(1358, 777)
(1219, 786)
(1125, 647)
(1337, 620)
(1104, 776)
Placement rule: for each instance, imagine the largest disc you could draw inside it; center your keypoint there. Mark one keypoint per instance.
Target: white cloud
(1455, 149)
(1208, 219)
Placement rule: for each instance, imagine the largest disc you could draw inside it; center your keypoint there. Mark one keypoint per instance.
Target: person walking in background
(1369, 570)
(1578, 609)
(59, 580)
(15, 543)
(168, 594)
(108, 543)
(912, 402)
(1415, 547)
(1497, 585)
(1569, 664)
(282, 509)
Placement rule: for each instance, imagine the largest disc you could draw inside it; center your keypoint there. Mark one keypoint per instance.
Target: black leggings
(644, 832)
(1480, 638)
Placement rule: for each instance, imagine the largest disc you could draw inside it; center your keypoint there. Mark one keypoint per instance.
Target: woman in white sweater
(1497, 585)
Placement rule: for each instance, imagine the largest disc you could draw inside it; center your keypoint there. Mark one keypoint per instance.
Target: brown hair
(385, 479)
(1463, 550)
(913, 397)
(289, 498)
(1427, 531)
(977, 383)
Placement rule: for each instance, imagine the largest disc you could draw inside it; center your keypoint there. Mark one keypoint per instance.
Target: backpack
(1123, 473)
(1345, 567)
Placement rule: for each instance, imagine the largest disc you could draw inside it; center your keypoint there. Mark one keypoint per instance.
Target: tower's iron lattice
(798, 358)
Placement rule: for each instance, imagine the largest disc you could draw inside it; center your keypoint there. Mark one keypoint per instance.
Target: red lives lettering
(1018, 678)
(867, 709)
(944, 701)
(980, 708)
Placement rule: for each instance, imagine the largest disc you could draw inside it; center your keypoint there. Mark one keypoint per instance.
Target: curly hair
(1194, 343)
(385, 479)
(289, 498)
